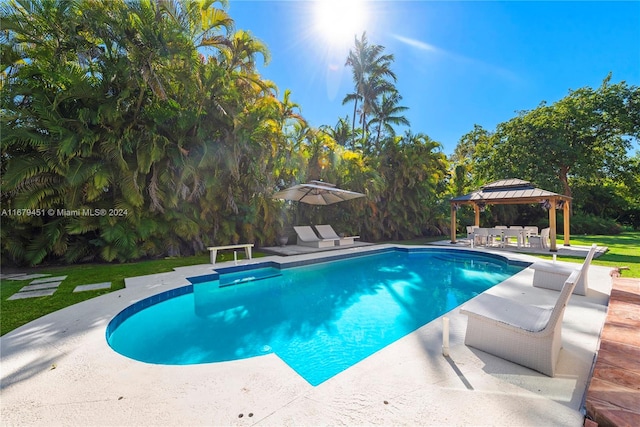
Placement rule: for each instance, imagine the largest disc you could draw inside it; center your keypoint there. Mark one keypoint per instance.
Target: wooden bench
(214, 250)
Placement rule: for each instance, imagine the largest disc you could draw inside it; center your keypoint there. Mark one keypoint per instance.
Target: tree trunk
(353, 127)
(564, 171)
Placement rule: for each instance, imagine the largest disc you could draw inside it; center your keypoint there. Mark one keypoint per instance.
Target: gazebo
(514, 192)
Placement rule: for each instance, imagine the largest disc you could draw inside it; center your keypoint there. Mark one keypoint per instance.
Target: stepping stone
(92, 287)
(40, 286)
(48, 279)
(32, 294)
(11, 276)
(28, 276)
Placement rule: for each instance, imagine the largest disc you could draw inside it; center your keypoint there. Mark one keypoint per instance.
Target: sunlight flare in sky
(339, 21)
(336, 23)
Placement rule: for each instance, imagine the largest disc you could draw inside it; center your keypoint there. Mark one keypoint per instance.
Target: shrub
(582, 223)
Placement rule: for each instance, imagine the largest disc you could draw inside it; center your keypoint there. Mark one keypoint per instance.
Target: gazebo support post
(552, 225)
(453, 223)
(565, 214)
(476, 210)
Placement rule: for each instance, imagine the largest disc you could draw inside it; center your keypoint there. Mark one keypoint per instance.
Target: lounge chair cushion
(527, 317)
(327, 232)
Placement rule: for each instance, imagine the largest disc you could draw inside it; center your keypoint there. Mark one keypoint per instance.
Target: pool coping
(60, 370)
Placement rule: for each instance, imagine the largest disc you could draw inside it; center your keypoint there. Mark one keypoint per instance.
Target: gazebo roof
(508, 191)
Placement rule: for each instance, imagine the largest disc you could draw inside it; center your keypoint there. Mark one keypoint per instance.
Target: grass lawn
(624, 250)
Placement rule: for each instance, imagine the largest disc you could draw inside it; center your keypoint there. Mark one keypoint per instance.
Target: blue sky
(457, 63)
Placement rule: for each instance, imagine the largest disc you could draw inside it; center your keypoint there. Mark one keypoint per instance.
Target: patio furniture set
(324, 236)
(501, 236)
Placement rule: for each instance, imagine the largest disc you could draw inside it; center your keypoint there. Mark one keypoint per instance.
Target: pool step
(251, 277)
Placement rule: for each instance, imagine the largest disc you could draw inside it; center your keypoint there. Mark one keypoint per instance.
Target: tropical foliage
(143, 129)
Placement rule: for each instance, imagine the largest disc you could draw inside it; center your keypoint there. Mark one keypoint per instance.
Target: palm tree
(371, 71)
(342, 132)
(355, 98)
(242, 53)
(373, 90)
(388, 113)
(201, 21)
(288, 111)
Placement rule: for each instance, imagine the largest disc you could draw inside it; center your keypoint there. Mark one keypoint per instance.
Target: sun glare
(339, 21)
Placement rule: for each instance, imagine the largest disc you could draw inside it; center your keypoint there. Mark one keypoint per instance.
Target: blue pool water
(320, 318)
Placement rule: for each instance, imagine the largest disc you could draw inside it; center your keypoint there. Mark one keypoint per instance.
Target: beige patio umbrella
(316, 193)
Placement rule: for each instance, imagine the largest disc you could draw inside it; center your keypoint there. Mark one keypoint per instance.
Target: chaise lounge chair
(307, 237)
(528, 335)
(552, 276)
(327, 232)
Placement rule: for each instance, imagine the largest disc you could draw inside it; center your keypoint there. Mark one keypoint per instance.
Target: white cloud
(416, 43)
(424, 46)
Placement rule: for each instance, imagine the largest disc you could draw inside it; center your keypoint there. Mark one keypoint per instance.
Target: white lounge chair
(528, 335)
(327, 232)
(552, 276)
(307, 237)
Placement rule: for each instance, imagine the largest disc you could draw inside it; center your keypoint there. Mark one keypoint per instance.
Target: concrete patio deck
(59, 370)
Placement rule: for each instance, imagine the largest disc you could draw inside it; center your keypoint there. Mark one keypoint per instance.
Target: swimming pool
(319, 318)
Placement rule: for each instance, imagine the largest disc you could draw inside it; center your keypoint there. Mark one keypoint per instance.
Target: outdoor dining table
(486, 234)
(490, 234)
(519, 233)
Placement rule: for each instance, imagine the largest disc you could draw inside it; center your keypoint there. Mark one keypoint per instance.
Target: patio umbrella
(316, 193)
